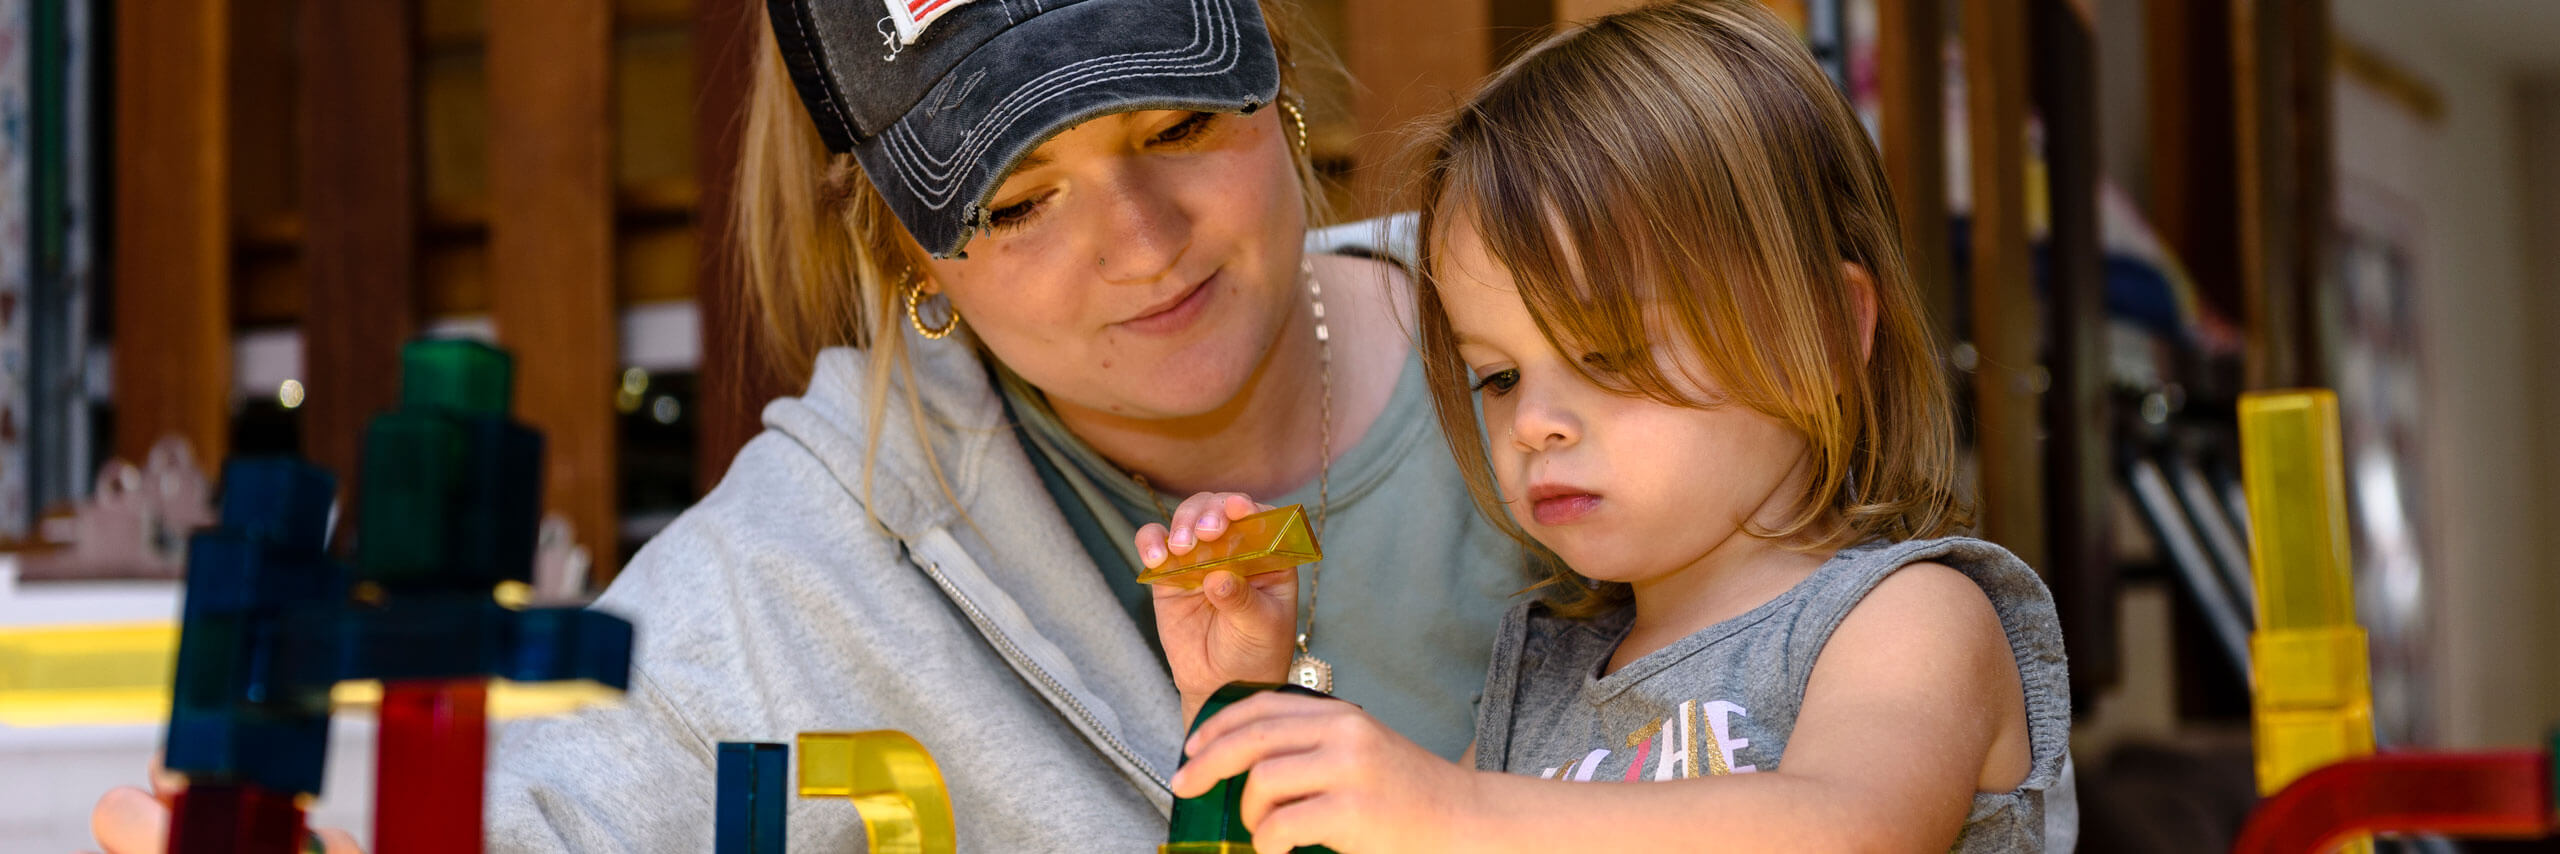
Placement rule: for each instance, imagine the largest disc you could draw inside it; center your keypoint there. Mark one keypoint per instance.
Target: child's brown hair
(1683, 173)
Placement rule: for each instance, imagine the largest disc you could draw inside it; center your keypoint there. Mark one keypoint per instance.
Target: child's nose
(1543, 423)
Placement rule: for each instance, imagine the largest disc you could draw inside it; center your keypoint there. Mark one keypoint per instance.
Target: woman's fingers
(128, 820)
(336, 841)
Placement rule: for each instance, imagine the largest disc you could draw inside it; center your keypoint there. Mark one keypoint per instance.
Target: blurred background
(220, 218)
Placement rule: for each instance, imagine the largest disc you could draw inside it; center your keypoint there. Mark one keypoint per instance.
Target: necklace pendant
(1311, 673)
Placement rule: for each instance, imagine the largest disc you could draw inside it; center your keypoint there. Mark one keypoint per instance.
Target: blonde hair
(825, 261)
(1684, 173)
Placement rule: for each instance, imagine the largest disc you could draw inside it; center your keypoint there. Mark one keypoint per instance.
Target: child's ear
(1862, 299)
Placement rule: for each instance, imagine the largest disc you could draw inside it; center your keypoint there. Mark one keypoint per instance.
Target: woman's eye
(1188, 129)
(1014, 215)
(1500, 382)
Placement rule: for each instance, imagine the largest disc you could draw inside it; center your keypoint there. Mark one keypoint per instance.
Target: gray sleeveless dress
(1724, 700)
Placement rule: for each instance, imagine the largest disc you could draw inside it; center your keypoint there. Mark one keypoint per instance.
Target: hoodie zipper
(1005, 646)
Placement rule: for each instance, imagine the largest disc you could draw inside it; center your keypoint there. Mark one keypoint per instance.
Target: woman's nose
(1143, 229)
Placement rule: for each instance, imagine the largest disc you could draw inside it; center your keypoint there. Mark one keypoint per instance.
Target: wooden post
(172, 230)
(2005, 379)
(2188, 56)
(2280, 64)
(360, 215)
(2079, 454)
(735, 380)
(1911, 86)
(1408, 59)
(551, 244)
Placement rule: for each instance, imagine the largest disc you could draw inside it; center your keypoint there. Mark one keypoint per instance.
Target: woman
(1065, 280)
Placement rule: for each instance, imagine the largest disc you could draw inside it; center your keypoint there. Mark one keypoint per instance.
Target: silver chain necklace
(1305, 669)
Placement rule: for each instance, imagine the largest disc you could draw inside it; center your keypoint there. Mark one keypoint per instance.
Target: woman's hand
(128, 820)
(1326, 773)
(1231, 628)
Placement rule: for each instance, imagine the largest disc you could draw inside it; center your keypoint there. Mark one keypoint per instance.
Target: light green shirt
(1414, 581)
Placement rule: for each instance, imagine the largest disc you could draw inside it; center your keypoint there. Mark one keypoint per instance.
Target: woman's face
(1141, 263)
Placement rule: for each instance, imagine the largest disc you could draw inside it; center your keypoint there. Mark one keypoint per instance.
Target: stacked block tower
(451, 505)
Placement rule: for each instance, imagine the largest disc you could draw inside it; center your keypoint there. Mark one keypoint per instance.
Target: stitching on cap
(1075, 76)
(827, 77)
(1055, 82)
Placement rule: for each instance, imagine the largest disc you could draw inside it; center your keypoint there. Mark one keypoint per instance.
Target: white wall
(2485, 457)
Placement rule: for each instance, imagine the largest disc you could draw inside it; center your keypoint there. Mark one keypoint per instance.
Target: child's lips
(1561, 505)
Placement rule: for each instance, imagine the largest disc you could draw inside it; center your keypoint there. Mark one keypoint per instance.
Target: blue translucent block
(283, 752)
(280, 502)
(568, 644)
(753, 792)
(229, 573)
(498, 517)
(456, 375)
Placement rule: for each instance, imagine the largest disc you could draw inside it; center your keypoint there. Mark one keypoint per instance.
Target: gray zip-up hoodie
(775, 606)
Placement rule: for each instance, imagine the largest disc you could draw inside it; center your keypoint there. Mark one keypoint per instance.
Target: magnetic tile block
(1213, 822)
(231, 573)
(754, 789)
(892, 781)
(457, 375)
(86, 675)
(2311, 688)
(450, 503)
(569, 644)
(432, 766)
(280, 503)
(442, 636)
(413, 463)
(1268, 541)
(2493, 794)
(230, 818)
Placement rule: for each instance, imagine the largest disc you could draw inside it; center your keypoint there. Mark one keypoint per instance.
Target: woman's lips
(1561, 505)
(1163, 318)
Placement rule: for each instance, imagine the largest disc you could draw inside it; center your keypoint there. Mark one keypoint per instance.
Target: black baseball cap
(938, 99)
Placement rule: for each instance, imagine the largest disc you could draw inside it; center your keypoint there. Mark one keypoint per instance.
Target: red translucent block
(428, 775)
(234, 818)
(2498, 794)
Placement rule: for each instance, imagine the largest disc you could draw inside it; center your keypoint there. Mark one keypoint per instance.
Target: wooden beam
(2280, 63)
(172, 236)
(2079, 462)
(2004, 308)
(360, 215)
(1911, 87)
(2188, 60)
(551, 244)
(1408, 59)
(735, 380)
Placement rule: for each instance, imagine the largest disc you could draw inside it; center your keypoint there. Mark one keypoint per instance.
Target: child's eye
(1500, 381)
(1015, 215)
(1598, 361)
(1190, 129)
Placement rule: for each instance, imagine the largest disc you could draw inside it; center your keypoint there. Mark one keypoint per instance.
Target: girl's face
(1623, 488)
(1141, 263)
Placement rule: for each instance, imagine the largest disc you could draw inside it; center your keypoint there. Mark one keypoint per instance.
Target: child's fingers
(1285, 778)
(1151, 548)
(1306, 821)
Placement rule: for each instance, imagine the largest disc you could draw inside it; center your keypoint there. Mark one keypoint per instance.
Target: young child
(1667, 326)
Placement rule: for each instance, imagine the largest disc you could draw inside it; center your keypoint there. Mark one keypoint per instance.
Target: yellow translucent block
(1268, 541)
(93, 675)
(892, 781)
(2295, 474)
(2311, 685)
(86, 674)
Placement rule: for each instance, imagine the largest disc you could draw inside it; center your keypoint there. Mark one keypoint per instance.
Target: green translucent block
(892, 781)
(412, 469)
(457, 375)
(1213, 822)
(1268, 541)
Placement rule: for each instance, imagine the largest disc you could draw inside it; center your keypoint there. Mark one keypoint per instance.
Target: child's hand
(1326, 773)
(1231, 629)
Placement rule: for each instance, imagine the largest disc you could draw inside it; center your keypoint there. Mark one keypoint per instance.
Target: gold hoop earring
(915, 294)
(1299, 118)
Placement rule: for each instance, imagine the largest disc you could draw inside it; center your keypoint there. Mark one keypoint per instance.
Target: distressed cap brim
(1030, 70)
